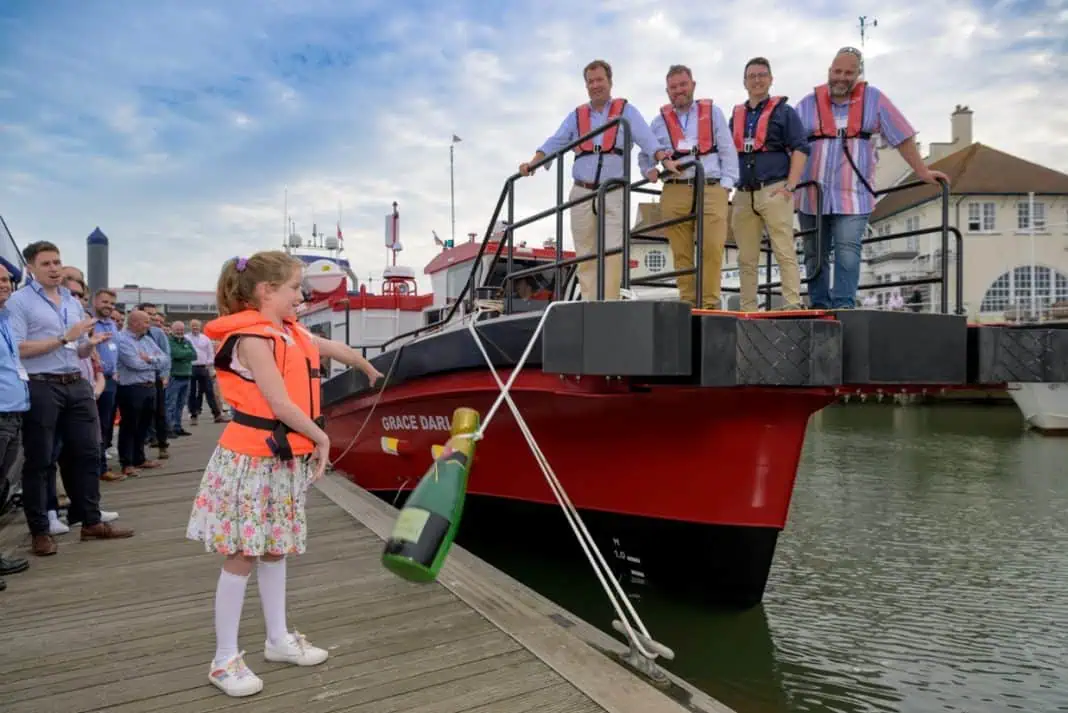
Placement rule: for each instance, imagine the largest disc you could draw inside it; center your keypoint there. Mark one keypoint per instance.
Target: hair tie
(242, 263)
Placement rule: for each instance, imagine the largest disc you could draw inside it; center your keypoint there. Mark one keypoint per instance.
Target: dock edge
(576, 650)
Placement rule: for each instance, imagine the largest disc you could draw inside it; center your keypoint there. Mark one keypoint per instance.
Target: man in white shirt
(201, 383)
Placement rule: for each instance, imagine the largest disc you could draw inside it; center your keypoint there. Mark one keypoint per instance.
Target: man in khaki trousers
(696, 131)
(772, 148)
(597, 160)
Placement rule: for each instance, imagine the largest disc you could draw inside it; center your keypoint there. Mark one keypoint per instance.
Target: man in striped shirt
(841, 118)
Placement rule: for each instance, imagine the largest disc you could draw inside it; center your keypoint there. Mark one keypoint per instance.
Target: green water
(924, 568)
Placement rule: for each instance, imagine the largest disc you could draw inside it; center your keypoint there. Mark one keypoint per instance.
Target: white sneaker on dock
(296, 650)
(234, 678)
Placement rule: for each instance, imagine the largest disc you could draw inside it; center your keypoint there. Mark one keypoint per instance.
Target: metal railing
(506, 201)
(944, 229)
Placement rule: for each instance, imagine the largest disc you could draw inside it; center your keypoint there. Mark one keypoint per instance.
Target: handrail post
(767, 276)
(558, 288)
(944, 186)
(509, 235)
(699, 233)
(628, 146)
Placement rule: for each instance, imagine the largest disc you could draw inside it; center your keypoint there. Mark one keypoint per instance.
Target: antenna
(864, 24)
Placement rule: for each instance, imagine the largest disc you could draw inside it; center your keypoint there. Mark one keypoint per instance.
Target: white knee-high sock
(229, 599)
(271, 579)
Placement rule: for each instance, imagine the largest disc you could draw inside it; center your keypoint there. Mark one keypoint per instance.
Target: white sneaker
(296, 650)
(108, 516)
(234, 678)
(55, 525)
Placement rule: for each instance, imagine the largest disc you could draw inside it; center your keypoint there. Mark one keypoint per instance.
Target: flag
(456, 139)
(437, 240)
(340, 240)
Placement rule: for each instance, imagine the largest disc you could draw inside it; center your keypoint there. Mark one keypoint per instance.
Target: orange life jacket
(826, 128)
(760, 136)
(608, 138)
(254, 430)
(706, 135)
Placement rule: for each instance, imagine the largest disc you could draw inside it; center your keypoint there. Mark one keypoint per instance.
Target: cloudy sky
(176, 125)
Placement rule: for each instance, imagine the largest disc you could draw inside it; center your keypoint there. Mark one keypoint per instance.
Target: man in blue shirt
(103, 309)
(772, 149)
(596, 161)
(14, 401)
(50, 329)
(140, 360)
(157, 427)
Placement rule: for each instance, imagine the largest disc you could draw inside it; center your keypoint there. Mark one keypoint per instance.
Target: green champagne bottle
(427, 524)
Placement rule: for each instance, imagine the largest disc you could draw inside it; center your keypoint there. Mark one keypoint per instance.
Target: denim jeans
(177, 393)
(843, 235)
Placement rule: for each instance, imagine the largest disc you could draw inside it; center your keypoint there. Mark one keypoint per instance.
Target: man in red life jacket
(772, 148)
(696, 131)
(841, 118)
(597, 160)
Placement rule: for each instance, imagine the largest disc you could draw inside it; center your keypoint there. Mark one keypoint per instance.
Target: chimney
(961, 127)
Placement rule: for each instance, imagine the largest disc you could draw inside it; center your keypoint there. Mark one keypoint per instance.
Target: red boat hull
(714, 456)
(651, 464)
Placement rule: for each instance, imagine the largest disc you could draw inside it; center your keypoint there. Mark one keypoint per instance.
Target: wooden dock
(126, 626)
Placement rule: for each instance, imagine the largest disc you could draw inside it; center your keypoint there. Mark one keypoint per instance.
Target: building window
(655, 261)
(913, 242)
(981, 217)
(1023, 215)
(1013, 289)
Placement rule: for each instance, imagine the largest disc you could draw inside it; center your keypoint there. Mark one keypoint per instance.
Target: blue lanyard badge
(7, 339)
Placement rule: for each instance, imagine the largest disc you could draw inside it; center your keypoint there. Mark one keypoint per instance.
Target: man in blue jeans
(842, 118)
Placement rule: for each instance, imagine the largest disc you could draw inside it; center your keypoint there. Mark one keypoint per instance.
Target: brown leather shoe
(149, 464)
(163, 454)
(43, 545)
(130, 472)
(105, 531)
(111, 476)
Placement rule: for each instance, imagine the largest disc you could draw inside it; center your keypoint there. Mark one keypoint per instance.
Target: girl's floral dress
(251, 505)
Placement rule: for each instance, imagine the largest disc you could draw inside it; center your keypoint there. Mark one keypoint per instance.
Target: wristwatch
(63, 341)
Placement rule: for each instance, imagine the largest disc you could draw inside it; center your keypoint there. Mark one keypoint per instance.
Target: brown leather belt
(68, 378)
(690, 181)
(590, 186)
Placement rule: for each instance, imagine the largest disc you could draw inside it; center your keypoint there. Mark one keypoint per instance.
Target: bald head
(72, 273)
(844, 72)
(178, 328)
(137, 321)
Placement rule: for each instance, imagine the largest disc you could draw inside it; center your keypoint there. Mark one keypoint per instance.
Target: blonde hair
(237, 282)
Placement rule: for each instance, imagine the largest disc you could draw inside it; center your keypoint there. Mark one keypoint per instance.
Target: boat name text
(412, 422)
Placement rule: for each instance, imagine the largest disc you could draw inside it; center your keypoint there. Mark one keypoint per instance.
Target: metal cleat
(639, 661)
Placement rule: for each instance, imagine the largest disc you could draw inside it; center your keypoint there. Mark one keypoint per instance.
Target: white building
(175, 304)
(1006, 232)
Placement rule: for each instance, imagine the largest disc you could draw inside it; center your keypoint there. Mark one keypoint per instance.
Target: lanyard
(752, 118)
(7, 338)
(51, 304)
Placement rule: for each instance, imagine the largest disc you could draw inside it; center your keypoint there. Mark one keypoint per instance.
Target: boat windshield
(536, 287)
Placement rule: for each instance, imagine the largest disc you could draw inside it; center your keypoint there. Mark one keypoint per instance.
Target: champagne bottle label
(409, 525)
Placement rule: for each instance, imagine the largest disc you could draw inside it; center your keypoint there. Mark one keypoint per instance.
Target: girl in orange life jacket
(250, 506)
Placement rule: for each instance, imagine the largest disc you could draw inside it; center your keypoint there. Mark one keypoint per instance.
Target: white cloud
(177, 130)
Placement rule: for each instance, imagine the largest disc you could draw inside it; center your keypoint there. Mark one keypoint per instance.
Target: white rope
(596, 559)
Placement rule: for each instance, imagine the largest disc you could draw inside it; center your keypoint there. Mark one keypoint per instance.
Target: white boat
(1044, 406)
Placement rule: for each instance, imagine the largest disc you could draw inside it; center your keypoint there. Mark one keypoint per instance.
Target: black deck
(665, 342)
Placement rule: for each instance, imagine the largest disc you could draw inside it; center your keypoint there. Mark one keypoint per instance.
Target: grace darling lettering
(412, 422)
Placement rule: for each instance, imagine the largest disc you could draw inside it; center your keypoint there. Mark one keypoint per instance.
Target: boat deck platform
(126, 626)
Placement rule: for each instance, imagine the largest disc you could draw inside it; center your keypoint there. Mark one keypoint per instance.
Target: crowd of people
(72, 366)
